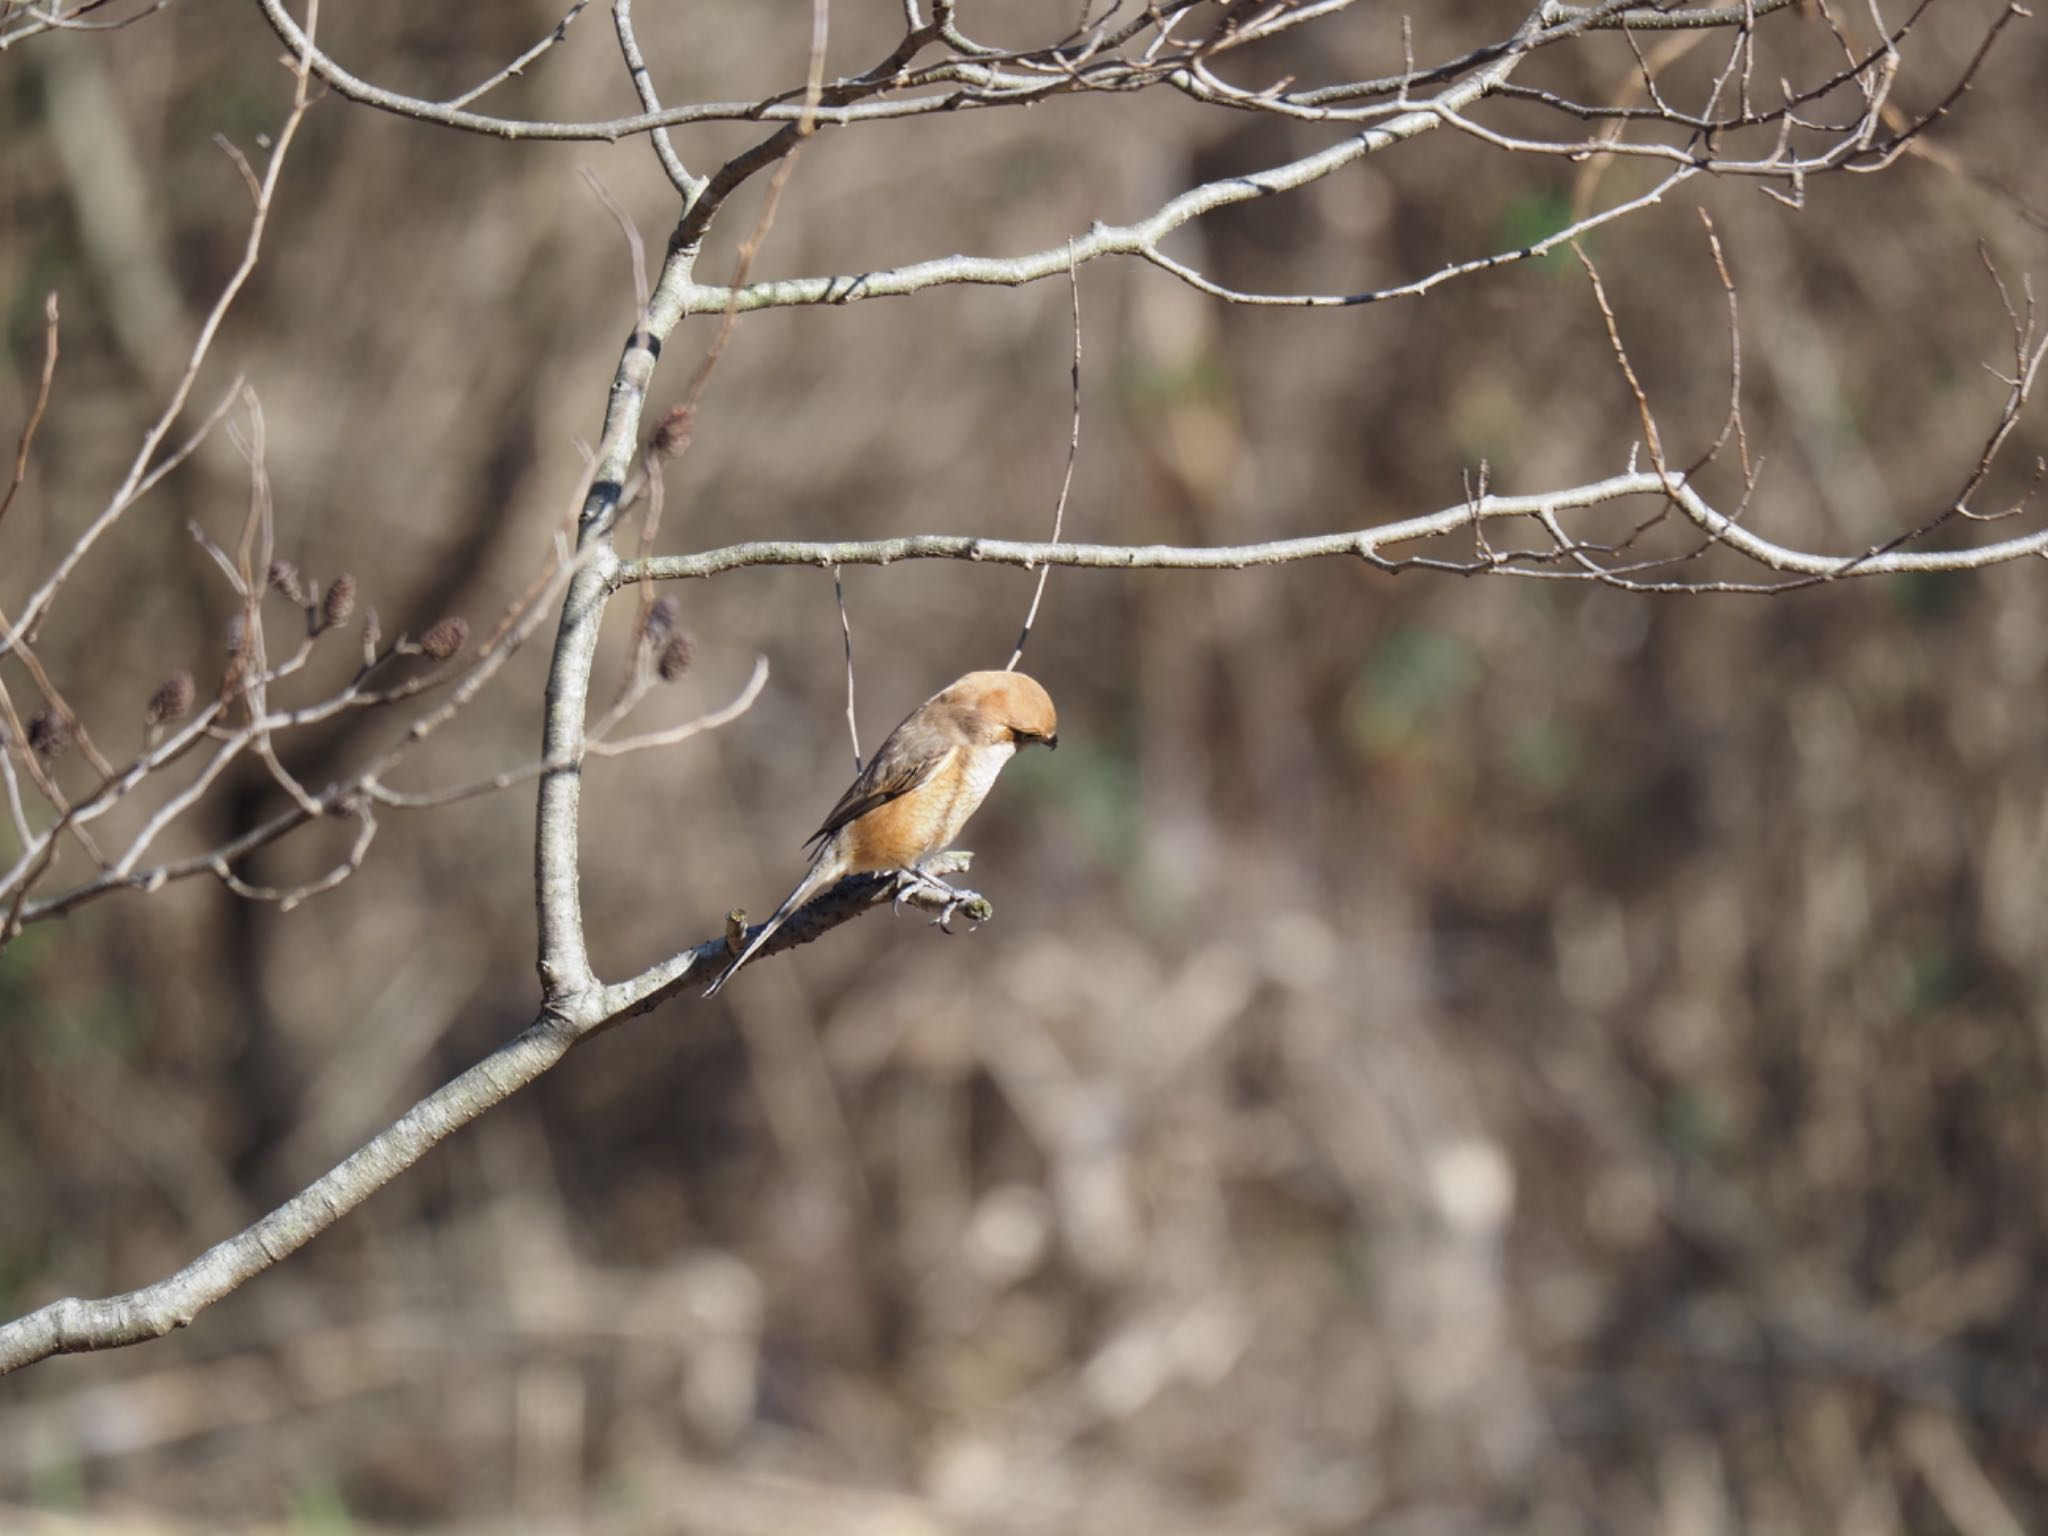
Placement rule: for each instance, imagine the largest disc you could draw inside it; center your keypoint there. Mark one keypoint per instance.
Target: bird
(916, 793)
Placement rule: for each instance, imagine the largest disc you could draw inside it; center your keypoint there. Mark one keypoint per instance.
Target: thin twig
(691, 187)
(1059, 509)
(597, 746)
(636, 247)
(846, 631)
(743, 265)
(288, 897)
(139, 477)
(35, 415)
(518, 66)
(15, 809)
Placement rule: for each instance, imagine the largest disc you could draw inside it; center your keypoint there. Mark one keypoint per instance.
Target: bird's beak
(1053, 741)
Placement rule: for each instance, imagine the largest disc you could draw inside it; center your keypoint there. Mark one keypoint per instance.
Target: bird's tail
(822, 874)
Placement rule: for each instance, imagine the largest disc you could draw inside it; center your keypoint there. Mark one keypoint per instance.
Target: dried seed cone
(661, 620)
(676, 657)
(673, 435)
(49, 733)
(445, 638)
(339, 601)
(172, 699)
(284, 577)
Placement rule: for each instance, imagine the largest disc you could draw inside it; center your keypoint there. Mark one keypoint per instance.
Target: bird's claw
(952, 898)
(914, 880)
(977, 915)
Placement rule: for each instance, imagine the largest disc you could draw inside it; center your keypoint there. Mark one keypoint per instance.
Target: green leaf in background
(1532, 217)
(1411, 682)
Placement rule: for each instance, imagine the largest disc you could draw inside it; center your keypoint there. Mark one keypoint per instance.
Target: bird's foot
(952, 899)
(910, 881)
(975, 904)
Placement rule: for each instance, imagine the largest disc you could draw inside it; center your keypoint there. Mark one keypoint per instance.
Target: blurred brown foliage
(1451, 1055)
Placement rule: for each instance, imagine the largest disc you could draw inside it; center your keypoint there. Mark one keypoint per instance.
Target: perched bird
(920, 787)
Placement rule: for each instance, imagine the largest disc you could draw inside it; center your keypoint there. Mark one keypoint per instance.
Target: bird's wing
(906, 760)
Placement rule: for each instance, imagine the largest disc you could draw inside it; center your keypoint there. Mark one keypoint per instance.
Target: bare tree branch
(72, 1326)
(1362, 543)
(518, 66)
(691, 187)
(32, 20)
(42, 402)
(974, 77)
(140, 476)
(1646, 18)
(1059, 507)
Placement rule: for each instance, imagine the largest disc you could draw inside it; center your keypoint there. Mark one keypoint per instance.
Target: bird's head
(998, 707)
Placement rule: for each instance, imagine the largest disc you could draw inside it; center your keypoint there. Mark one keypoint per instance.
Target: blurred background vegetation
(1450, 1056)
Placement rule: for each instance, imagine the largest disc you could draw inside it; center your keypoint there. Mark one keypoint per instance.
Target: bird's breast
(974, 771)
(978, 769)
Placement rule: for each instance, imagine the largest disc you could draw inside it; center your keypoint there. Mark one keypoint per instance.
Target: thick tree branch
(568, 984)
(563, 960)
(73, 1326)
